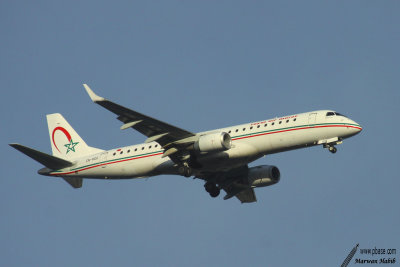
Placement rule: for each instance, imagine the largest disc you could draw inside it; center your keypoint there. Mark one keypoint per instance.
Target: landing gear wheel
(332, 149)
(212, 189)
(215, 192)
(185, 171)
(209, 186)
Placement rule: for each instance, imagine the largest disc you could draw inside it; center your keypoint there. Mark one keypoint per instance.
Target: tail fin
(65, 142)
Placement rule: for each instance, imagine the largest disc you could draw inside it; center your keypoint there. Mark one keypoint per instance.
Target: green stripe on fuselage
(111, 161)
(294, 127)
(233, 137)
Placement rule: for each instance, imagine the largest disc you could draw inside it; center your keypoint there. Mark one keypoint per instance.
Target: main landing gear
(212, 189)
(185, 170)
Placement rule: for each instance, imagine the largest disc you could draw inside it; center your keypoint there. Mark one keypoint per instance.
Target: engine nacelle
(213, 142)
(263, 175)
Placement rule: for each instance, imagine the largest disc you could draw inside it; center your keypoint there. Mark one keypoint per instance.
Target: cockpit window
(338, 114)
(334, 114)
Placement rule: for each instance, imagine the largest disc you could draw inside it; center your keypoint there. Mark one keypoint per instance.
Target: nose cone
(355, 127)
(358, 126)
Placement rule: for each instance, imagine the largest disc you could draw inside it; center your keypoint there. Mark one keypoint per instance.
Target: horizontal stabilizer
(47, 160)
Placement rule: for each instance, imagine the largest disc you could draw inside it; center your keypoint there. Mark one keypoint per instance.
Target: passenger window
(258, 126)
(244, 129)
(121, 152)
(114, 154)
(294, 119)
(265, 125)
(236, 130)
(251, 128)
(129, 151)
(273, 123)
(280, 122)
(142, 148)
(287, 121)
(330, 114)
(135, 149)
(149, 147)
(156, 146)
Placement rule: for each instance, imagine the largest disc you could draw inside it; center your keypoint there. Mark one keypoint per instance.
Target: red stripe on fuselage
(103, 164)
(294, 129)
(233, 139)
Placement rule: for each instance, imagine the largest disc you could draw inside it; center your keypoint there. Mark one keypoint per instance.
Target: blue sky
(200, 65)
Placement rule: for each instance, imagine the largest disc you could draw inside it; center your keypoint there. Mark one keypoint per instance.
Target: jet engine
(263, 175)
(213, 142)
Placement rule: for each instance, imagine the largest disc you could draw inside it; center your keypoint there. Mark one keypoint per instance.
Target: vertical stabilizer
(65, 142)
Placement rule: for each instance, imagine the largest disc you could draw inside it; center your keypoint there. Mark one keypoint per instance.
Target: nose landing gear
(331, 148)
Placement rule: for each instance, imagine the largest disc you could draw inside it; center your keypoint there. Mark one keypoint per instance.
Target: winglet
(93, 96)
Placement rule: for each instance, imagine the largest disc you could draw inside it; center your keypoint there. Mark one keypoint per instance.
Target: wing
(165, 134)
(234, 182)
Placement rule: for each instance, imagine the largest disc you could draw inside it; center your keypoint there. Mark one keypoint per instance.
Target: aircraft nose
(357, 127)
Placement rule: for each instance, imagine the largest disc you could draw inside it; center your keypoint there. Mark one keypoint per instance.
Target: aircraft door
(312, 118)
(103, 159)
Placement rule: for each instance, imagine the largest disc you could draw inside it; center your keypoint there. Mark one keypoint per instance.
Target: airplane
(219, 157)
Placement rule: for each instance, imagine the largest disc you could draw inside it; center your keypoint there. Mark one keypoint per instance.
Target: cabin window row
(258, 126)
(135, 150)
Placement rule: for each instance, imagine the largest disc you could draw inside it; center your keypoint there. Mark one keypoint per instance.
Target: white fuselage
(249, 142)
